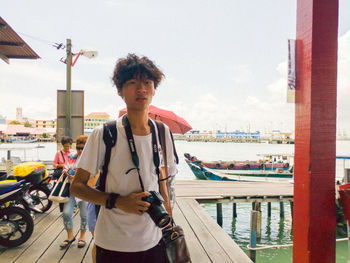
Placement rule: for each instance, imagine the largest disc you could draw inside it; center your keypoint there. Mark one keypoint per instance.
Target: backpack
(110, 139)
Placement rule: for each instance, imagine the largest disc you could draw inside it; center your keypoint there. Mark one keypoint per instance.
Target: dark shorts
(153, 255)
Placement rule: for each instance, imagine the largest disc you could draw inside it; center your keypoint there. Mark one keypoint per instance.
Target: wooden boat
(268, 162)
(22, 140)
(254, 176)
(203, 174)
(249, 175)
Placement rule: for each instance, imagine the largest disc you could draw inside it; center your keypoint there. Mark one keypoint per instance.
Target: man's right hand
(133, 203)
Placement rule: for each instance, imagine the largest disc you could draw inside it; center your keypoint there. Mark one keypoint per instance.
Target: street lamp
(70, 63)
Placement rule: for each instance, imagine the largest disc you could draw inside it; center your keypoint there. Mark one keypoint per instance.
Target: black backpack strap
(161, 133)
(110, 139)
(174, 149)
(161, 136)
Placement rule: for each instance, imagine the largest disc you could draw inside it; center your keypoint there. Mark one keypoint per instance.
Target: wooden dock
(207, 241)
(206, 191)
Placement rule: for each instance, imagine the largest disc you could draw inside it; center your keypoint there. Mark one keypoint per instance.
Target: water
(274, 230)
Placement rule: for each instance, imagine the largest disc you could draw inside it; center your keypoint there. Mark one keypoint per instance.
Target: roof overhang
(12, 46)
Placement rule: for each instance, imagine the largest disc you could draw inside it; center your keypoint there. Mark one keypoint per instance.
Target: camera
(156, 210)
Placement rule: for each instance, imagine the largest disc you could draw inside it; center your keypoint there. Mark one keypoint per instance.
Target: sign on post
(291, 71)
(77, 114)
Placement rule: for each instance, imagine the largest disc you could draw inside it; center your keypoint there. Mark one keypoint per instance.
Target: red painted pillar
(315, 131)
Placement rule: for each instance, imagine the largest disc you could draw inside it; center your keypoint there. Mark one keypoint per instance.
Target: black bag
(57, 173)
(65, 191)
(57, 189)
(174, 244)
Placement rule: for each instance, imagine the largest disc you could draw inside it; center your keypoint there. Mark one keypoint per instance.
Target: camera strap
(132, 148)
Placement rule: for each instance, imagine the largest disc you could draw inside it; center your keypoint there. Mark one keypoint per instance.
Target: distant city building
(19, 115)
(45, 124)
(239, 134)
(95, 119)
(21, 119)
(219, 134)
(2, 120)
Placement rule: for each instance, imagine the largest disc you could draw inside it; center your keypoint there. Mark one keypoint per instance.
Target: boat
(22, 140)
(203, 172)
(268, 162)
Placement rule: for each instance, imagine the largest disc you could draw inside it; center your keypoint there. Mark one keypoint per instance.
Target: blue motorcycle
(16, 222)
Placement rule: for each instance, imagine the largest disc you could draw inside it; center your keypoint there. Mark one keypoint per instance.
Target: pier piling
(281, 209)
(268, 209)
(253, 233)
(234, 208)
(257, 207)
(219, 213)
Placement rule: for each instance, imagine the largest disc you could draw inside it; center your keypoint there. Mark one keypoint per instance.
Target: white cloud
(343, 119)
(33, 84)
(242, 74)
(208, 111)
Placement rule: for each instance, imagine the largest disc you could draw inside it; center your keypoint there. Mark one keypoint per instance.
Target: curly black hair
(133, 66)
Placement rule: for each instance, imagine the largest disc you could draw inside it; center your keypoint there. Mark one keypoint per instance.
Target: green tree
(45, 135)
(27, 124)
(15, 122)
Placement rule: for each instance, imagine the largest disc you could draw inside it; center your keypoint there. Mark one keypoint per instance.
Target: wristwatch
(110, 202)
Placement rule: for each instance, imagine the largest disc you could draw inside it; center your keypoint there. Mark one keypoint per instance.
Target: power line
(51, 43)
(37, 38)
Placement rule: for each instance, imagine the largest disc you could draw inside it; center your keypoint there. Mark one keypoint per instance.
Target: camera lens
(164, 221)
(159, 215)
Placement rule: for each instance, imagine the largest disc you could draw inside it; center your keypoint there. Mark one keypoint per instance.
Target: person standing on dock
(68, 208)
(124, 233)
(62, 156)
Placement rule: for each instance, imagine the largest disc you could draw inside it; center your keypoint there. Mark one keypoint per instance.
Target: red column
(315, 131)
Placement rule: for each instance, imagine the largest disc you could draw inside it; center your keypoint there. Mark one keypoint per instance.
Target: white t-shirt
(115, 229)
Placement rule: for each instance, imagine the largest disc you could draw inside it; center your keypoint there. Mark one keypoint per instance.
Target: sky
(225, 61)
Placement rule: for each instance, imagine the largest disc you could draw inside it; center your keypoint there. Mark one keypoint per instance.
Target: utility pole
(68, 88)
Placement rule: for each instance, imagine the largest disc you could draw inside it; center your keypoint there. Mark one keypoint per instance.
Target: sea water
(274, 229)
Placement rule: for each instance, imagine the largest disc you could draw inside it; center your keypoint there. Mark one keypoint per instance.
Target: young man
(124, 232)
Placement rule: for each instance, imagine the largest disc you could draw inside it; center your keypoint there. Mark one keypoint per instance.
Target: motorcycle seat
(4, 186)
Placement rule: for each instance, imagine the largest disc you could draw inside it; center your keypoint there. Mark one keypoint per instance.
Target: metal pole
(8, 163)
(68, 88)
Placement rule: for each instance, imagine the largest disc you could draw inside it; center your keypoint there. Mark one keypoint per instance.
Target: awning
(12, 45)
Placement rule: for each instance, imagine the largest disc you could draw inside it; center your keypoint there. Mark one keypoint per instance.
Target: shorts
(91, 216)
(153, 255)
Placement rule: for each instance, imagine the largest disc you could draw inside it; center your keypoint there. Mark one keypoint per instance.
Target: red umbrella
(175, 123)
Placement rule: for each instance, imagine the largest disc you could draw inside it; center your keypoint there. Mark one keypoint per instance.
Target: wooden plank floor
(221, 191)
(43, 245)
(206, 240)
